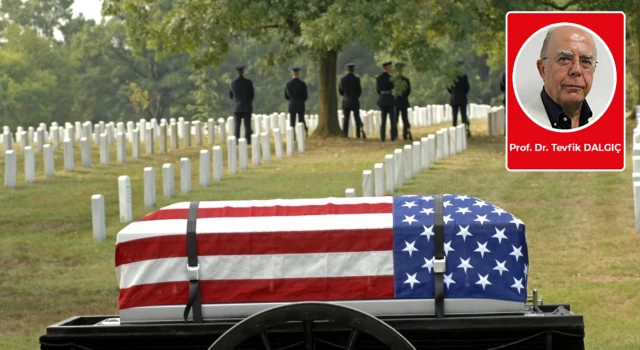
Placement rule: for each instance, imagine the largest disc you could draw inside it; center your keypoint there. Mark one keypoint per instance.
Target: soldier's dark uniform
(351, 89)
(242, 94)
(402, 104)
(387, 104)
(295, 92)
(458, 101)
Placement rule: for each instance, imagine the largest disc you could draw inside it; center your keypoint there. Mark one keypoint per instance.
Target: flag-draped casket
(402, 255)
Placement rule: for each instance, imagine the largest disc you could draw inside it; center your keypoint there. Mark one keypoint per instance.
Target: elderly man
(566, 65)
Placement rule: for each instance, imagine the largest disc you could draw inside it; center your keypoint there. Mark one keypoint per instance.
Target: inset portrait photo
(564, 77)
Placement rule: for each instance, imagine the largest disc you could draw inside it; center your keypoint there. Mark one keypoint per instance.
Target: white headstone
(68, 154)
(124, 198)
(243, 153)
(8, 141)
(636, 204)
(163, 138)
(379, 179)
(98, 219)
(29, 165)
(398, 162)
(148, 140)
(389, 167)
(205, 168)
(135, 144)
(232, 154)
(48, 160)
(265, 148)
(70, 135)
(10, 169)
(417, 161)
(211, 131)
(301, 137)
(217, 163)
(278, 140)
(186, 133)
(439, 145)
(408, 162)
(130, 127)
(168, 180)
(96, 135)
(431, 149)
(104, 149)
(121, 144)
(185, 175)
(149, 187)
(198, 132)
(223, 130)
(367, 183)
(636, 163)
(452, 141)
(173, 133)
(290, 141)
(40, 139)
(424, 152)
(350, 192)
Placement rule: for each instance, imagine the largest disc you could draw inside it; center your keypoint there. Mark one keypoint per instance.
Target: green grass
(580, 226)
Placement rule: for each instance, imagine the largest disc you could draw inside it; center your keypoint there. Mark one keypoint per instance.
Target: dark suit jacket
(384, 87)
(351, 89)
(296, 92)
(242, 94)
(459, 90)
(402, 101)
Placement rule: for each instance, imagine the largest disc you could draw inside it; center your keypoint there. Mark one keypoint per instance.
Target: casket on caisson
(406, 255)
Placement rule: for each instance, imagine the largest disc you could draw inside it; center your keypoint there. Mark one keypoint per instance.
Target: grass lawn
(580, 227)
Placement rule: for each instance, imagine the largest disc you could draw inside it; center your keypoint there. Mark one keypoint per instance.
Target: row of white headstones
(403, 164)
(417, 116)
(105, 134)
(237, 158)
(636, 168)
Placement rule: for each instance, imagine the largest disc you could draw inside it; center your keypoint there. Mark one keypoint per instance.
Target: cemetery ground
(583, 248)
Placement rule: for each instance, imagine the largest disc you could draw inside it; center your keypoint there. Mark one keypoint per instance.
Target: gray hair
(547, 38)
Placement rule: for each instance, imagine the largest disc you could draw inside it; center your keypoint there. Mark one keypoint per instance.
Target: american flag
(326, 249)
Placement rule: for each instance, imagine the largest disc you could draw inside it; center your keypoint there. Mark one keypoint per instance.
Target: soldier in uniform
(402, 103)
(242, 94)
(458, 101)
(351, 90)
(295, 92)
(386, 102)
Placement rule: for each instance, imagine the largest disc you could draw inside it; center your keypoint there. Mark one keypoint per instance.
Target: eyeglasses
(565, 61)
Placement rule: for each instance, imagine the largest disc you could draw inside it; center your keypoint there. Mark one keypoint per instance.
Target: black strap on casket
(439, 256)
(193, 268)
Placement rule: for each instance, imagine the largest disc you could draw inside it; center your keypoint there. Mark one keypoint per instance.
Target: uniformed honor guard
(402, 102)
(386, 102)
(242, 94)
(459, 90)
(351, 90)
(295, 91)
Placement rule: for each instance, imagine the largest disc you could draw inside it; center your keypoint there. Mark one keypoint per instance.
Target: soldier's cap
(387, 64)
(241, 67)
(296, 69)
(399, 65)
(350, 65)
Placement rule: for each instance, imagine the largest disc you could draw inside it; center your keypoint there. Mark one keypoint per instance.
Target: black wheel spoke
(291, 346)
(307, 313)
(353, 339)
(265, 341)
(330, 343)
(308, 335)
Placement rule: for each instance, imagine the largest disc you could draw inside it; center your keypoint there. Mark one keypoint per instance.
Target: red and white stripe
(261, 251)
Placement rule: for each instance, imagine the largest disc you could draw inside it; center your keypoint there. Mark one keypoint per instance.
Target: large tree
(317, 29)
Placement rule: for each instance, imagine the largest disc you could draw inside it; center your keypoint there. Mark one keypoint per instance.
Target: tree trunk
(328, 117)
